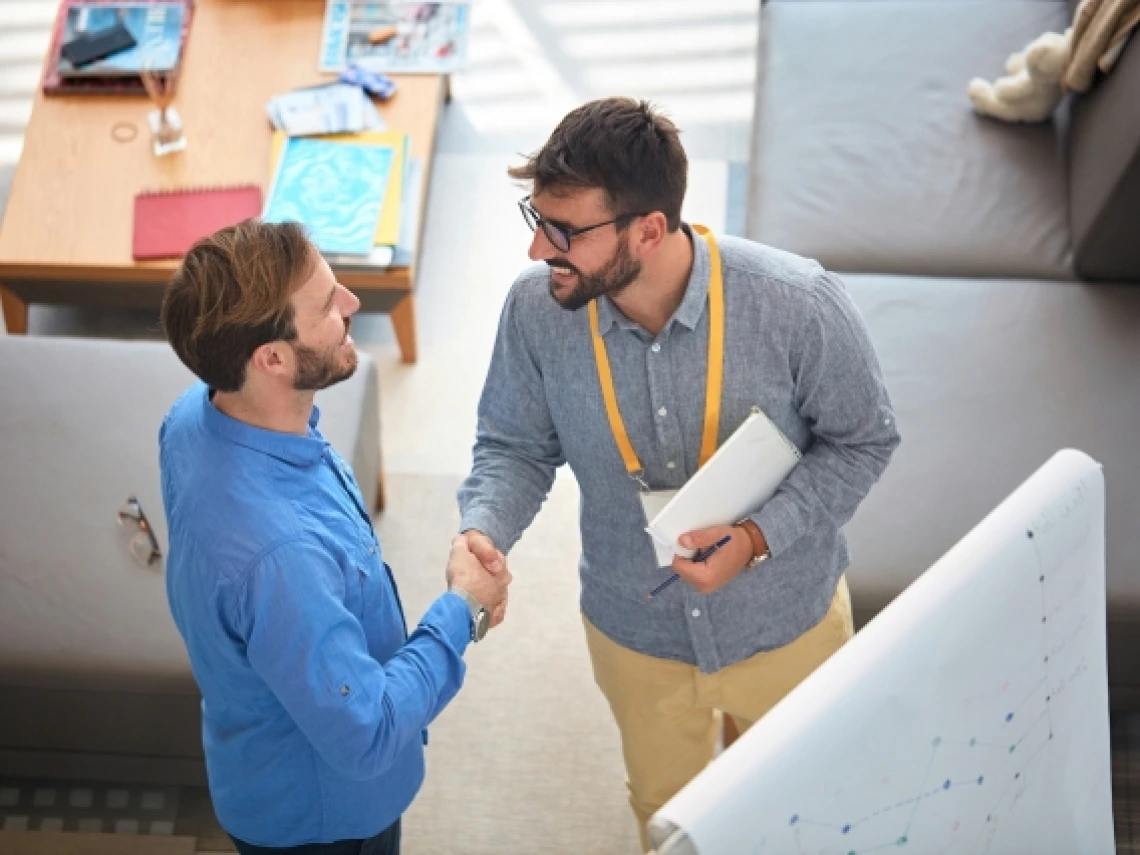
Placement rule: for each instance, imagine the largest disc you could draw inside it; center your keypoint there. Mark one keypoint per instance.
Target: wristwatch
(480, 619)
(760, 550)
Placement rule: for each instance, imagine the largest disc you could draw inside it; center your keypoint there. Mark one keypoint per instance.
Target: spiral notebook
(169, 222)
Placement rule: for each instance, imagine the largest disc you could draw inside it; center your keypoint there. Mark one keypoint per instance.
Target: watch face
(482, 624)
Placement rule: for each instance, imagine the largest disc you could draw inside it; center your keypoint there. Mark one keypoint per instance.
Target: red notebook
(167, 223)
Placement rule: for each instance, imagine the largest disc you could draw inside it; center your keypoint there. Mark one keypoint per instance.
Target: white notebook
(740, 477)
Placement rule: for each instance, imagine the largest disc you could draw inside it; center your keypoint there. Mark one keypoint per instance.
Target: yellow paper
(388, 228)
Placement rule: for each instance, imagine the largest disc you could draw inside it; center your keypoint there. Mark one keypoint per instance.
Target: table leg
(404, 323)
(15, 312)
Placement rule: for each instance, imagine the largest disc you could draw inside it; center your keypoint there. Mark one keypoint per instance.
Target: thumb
(483, 549)
(704, 538)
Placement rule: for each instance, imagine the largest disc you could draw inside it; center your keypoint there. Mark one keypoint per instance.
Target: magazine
(156, 27)
(395, 36)
(335, 189)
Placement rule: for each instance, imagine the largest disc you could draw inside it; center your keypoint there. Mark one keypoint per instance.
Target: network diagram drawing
(970, 717)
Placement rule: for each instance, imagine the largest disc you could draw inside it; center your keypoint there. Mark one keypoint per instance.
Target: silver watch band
(480, 620)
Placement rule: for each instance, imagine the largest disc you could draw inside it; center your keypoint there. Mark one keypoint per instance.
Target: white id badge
(653, 503)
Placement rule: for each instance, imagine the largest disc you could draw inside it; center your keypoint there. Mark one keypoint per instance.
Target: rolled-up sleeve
(312, 653)
(841, 395)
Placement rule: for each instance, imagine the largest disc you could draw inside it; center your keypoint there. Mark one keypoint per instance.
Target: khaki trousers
(669, 713)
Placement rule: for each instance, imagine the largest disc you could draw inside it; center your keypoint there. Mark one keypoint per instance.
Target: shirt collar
(692, 304)
(290, 448)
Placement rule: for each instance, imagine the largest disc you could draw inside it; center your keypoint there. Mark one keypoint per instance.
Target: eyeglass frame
(132, 504)
(564, 232)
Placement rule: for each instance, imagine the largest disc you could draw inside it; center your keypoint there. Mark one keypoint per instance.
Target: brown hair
(620, 145)
(231, 295)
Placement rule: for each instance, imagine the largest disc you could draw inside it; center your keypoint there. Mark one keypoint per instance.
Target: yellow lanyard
(713, 381)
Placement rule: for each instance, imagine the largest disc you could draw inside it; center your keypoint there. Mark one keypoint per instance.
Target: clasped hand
(476, 566)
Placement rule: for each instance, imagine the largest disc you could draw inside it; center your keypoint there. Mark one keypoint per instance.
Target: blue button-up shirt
(795, 346)
(314, 699)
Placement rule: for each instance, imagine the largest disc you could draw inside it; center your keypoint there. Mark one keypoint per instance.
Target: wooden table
(66, 236)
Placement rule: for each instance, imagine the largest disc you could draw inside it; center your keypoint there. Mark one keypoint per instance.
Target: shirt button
(696, 612)
(656, 348)
(344, 690)
(661, 412)
(670, 465)
(372, 550)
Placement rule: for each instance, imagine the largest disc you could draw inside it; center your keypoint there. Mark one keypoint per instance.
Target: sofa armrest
(1104, 173)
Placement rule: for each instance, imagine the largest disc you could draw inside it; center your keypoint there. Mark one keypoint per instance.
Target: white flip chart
(970, 716)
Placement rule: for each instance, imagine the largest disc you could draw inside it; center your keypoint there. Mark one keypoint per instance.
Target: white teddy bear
(1032, 89)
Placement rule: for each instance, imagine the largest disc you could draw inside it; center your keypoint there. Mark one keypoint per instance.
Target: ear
(649, 232)
(273, 358)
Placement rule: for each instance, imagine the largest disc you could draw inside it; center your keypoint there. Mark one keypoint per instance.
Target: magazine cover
(156, 27)
(395, 36)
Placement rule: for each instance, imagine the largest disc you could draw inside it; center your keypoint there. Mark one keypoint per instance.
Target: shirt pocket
(357, 576)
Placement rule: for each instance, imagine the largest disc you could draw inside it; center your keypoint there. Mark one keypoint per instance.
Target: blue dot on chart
(980, 779)
(902, 840)
(946, 785)
(846, 828)
(1009, 717)
(795, 819)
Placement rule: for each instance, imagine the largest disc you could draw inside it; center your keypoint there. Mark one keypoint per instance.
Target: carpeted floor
(527, 758)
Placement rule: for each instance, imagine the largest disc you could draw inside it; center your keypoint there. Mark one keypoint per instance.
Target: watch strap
(479, 617)
(760, 550)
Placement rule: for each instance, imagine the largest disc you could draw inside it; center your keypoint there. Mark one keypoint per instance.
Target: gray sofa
(997, 266)
(94, 679)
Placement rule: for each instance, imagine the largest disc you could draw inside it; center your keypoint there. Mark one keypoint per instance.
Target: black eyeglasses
(144, 545)
(559, 235)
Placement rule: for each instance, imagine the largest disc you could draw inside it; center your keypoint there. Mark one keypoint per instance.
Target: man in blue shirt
(315, 699)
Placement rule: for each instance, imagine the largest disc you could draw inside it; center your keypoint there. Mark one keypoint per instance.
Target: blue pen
(698, 557)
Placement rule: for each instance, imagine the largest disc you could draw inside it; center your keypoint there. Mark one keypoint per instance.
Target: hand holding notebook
(744, 473)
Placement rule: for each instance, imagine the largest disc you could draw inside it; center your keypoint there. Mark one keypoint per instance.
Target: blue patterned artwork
(336, 189)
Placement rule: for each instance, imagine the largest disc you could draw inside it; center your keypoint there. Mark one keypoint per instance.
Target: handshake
(476, 566)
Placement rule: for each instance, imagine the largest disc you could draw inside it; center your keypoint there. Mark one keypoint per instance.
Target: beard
(615, 276)
(319, 369)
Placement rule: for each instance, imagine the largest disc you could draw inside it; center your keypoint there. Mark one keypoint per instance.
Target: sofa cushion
(1104, 173)
(989, 378)
(78, 434)
(868, 156)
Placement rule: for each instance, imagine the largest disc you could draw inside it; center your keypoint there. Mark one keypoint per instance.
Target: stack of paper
(333, 108)
(394, 230)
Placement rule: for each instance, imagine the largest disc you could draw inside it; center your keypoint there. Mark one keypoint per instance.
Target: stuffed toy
(1032, 88)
